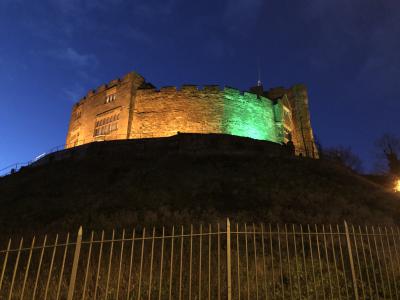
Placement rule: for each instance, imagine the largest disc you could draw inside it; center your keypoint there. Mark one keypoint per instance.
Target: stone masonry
(131, 108)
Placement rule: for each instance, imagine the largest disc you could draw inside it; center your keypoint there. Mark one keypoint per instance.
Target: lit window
(74, 138)
(288, 134)
(397, 186)
(106, 125)
(287, 115)
(110, 98)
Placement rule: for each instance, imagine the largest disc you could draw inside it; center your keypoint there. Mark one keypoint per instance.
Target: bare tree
(344, 156)
(388, 146)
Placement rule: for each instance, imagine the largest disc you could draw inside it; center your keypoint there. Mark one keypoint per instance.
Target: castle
(131, 108)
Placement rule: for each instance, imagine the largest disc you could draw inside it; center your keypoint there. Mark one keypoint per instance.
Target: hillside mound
(186, 179)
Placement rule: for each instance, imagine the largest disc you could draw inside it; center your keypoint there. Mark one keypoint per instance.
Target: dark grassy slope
(113, 187)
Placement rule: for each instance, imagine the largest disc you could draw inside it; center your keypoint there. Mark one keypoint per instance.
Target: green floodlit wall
(278, 112)
(248, 116)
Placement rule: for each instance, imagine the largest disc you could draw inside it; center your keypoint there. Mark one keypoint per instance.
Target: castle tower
(302, 134)
(104, 113)
(301, 114)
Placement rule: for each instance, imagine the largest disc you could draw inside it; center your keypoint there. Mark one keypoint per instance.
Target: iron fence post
(71, 287)
(353, 273)
(228, 259)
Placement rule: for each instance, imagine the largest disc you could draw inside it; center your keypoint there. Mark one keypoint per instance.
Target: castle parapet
(250, 96)
(90, 93)
(168, 89)
(189, 88)
(114, 82)
(101, 88)
(232, 91)
(132, 76)
(212, 88)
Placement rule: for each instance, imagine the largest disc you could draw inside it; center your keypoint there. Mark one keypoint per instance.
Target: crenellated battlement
(202, 90)
(168, 89)
(184, 89)
(192, 88)
(132, 76)
(130, 107)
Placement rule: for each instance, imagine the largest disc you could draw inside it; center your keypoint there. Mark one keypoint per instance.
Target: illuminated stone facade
(131, 108)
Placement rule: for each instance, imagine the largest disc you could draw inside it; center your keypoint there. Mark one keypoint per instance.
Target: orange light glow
(397, 186)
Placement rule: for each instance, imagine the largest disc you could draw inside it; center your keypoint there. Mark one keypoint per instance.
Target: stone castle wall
(137, 110)
(208, 110)
(168, 111)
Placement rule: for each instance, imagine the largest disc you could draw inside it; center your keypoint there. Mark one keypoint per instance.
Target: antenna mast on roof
(259, 83)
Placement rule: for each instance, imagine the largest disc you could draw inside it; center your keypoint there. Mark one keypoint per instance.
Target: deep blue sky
(53, 51)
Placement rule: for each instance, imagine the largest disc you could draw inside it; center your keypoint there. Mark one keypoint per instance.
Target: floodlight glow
(397, 186)
(247, 116)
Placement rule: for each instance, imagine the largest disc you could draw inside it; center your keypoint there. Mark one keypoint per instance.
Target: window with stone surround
(287, 116)
(74, 138)
(110, 98)
(287, 124)
(111, 95)
(106, 125)
(287, 134)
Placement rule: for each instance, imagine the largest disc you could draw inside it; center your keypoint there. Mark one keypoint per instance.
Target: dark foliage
(113, 187)
(388, 146)
(343, 156)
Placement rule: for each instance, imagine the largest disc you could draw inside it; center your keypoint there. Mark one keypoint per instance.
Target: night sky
(52, 52)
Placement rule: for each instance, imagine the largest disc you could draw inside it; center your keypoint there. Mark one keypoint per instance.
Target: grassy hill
(185, 179)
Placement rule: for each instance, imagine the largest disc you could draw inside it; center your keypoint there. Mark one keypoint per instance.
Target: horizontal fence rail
(13, 168)
(228, 261)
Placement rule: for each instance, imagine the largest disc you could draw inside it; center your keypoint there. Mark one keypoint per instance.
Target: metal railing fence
(237, 261)
(13, 168)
